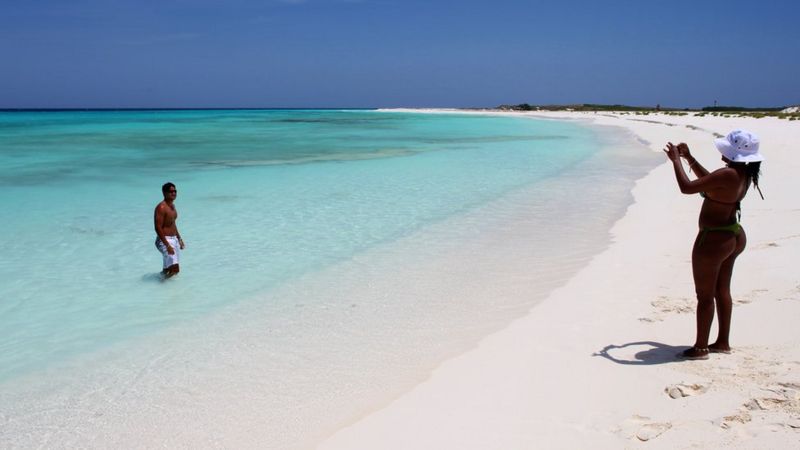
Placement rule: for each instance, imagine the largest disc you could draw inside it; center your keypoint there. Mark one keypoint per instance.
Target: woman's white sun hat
(739, 146)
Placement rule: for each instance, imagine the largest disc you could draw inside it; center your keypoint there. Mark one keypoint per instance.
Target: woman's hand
(683, 150)
(672, 152)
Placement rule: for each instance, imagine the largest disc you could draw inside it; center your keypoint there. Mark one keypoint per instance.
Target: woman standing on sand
(720, 239)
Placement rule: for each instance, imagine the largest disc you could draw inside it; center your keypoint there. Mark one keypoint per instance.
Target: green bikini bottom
(734, 228)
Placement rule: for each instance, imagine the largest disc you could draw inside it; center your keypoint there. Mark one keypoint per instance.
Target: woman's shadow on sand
(650, 354)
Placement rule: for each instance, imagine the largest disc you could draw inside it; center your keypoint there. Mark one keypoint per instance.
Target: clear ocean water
(316, 242)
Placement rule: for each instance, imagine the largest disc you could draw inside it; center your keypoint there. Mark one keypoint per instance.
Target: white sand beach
(594, 365)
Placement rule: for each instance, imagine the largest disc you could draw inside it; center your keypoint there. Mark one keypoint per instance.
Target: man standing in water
(168, 240)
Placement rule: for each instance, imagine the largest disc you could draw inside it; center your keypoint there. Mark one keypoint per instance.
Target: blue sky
(393, 53)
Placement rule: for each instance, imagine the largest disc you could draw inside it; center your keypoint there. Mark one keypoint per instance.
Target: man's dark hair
(166, 187)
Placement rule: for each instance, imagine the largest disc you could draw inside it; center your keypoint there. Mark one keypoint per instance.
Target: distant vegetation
(578, 107)
(739, 109)
(718, 111)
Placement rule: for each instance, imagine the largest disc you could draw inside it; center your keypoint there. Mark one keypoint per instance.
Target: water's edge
(221, 364)
(612, 135)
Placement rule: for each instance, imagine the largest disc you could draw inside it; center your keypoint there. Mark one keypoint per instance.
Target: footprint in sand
(641, 428)
(783, 396)
(786, 400)
(757, 406)
(652, 430)
(685, 390)
(766, 404)
(749, 297)
(667, 305)
(740, 418)
(790, 388)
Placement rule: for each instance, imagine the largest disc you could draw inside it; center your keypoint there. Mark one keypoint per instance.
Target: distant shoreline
(521, 107)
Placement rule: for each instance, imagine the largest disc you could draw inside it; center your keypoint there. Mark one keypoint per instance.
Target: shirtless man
(168, 240)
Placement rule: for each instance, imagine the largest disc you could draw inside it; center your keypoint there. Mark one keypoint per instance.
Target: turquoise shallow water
(264, 196)
(333, 259)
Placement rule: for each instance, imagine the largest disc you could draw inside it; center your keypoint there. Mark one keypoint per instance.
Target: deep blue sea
(317, 241)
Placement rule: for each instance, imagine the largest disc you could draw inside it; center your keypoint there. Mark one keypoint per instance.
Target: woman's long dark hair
(753, 171)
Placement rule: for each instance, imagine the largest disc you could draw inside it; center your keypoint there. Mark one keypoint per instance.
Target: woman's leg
(723, 297)
(707, 259)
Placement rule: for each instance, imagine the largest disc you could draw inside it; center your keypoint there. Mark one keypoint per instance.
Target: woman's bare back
(721, 204)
